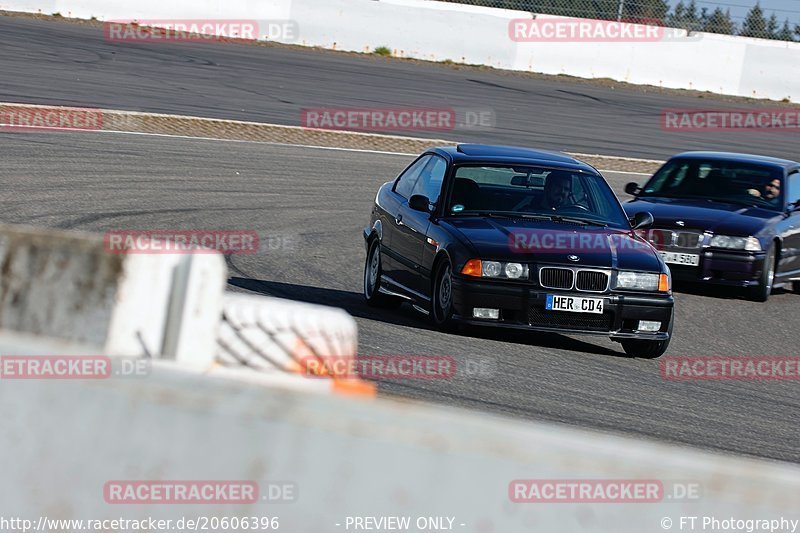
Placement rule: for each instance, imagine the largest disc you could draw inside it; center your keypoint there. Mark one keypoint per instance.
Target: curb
(188, 126)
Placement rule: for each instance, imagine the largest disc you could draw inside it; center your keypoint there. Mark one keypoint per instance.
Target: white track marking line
(33, 129)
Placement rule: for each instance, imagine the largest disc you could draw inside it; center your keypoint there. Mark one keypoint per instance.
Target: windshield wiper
(501, 214)
(694, 197)
(574, 220)
(752, 203)
(533, 216)
(671, 196)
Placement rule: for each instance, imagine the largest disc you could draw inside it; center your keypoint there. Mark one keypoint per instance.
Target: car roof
(739, 158)
(515, 155)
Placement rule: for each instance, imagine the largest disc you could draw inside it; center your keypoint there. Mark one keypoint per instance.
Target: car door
(396, 267)
(411, 227)
(790, 254)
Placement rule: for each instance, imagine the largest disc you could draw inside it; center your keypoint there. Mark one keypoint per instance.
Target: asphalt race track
(49, 62)
(315, 202)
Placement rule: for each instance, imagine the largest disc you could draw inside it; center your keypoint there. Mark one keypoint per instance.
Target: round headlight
(491, 269)
(514, 270)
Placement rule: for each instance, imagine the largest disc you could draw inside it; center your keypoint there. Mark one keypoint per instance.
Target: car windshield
(529, 191)
(723, 181)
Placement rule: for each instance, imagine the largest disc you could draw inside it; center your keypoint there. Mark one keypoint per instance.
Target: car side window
(431, 179)
(793, 194)
(408, 179)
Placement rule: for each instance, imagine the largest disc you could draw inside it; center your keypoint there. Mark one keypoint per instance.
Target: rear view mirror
(642, 220)
(419, 202)
(632, 188)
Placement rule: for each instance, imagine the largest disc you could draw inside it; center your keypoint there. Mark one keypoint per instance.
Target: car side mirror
(642, 219)
(632, 188)
(419, 202)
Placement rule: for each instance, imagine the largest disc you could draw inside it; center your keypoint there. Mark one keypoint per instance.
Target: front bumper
(522, 306)
(733, 268)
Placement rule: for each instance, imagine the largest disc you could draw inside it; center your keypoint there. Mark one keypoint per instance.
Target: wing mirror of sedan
(419, 202)
(642, 219)
(632, 188)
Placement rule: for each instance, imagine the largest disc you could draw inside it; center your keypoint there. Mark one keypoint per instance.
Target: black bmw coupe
(517, 238)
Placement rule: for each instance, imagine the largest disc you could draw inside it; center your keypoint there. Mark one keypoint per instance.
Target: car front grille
(665, 238)
(538, 316)
(563, 278)
(556, 278)
(591, 281)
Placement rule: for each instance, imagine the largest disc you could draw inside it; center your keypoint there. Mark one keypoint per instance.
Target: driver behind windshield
(771, 191)
(557, 189)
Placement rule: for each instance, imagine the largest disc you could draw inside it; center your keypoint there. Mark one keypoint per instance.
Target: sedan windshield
(534, 192)
(723, 181)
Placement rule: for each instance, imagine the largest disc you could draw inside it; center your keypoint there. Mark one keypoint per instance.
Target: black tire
(761, 292)
(442, 297)
(648, 349)
(796, 286)
(372, 279)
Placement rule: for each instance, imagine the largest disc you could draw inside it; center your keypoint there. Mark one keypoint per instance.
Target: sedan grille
(665, 238)
(592, 281)
(556, 278)
(538, 316)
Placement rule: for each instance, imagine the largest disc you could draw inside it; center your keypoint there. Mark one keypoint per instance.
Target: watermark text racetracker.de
(206, 492)
(197, 241)
(200, 30)
(49, 118)
(730, 368)
(435, 119)
(573, 30)
(71, 367)
(602, 491)
(757, 119)
(535, 240)
(396, 367)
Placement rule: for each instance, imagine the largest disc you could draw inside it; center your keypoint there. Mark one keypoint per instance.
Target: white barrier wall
(346, 458)
(440, 31)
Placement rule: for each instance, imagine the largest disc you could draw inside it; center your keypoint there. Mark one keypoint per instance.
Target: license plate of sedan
(574, 304)
(676, 258)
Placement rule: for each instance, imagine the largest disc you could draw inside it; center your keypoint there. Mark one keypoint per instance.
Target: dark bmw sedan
(517, 238)
(725, 219)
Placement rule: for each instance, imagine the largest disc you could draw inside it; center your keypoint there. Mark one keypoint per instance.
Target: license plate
(680, 259)
(574, 304)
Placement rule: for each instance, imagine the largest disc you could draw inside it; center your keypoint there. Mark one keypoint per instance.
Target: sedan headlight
(495, 269)
(750, 244)
(643, 281)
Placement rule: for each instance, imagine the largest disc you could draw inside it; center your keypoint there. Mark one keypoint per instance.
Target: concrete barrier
(68, 290)
(268, 333)
(439, 31)
(343, 458)
(66, 285)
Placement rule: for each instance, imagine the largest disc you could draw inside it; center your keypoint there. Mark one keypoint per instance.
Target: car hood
(716, 217)
(535, 241)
